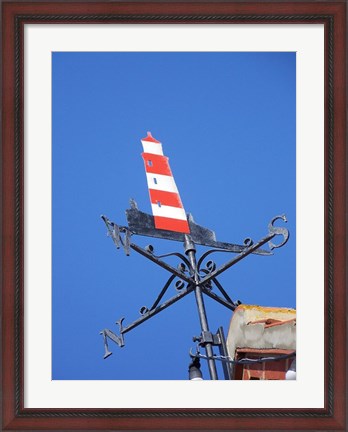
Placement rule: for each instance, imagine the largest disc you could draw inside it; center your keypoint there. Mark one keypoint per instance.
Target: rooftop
(260, 327)
(150, 138)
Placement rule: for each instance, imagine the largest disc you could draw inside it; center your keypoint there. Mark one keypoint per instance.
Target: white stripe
(151, 147)
(164, 183)
(168, 211)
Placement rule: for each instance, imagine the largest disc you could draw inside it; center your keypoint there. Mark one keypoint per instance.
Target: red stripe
(165, 198)
(151, 138)
(170, 224)
(156, 164)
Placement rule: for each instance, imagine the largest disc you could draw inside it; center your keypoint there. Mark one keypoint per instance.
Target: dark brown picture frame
(14, 16)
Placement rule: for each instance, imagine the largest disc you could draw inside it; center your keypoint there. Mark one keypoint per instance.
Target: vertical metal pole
(190, 251)
(223, 351)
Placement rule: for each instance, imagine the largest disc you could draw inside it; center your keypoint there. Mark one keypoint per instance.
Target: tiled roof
(260, 327)
(270, 322)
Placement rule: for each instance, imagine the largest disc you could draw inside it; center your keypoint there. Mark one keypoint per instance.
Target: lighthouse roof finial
(151, 138)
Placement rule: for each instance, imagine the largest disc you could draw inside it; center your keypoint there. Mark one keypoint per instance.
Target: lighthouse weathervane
(169, 221)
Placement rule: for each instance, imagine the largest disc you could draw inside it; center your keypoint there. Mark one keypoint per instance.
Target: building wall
(272, 370)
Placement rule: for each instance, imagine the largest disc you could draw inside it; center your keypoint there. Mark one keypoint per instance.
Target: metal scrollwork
(248, 242)
(190, 275)
(211, 266)
(182, 268)
(179, 285)
(150, 249)
(143, 310)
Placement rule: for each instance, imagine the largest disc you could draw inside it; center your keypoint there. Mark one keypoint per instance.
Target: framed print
(246, 107)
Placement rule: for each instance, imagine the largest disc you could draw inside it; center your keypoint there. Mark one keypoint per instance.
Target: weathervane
(170, 222)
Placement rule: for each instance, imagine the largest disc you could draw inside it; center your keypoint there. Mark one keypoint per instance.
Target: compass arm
(223, 292)
(211, 266)
(242, 249)
(248, 242)
(232, 306)
(236, 259)
(273, 231)
(161, 294)
(157, 310)
(159, 262)
(119, 340)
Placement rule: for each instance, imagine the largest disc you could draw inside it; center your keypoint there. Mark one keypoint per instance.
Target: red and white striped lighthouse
(167, 209)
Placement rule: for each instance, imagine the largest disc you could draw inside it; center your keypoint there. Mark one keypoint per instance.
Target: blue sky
(227, 124)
